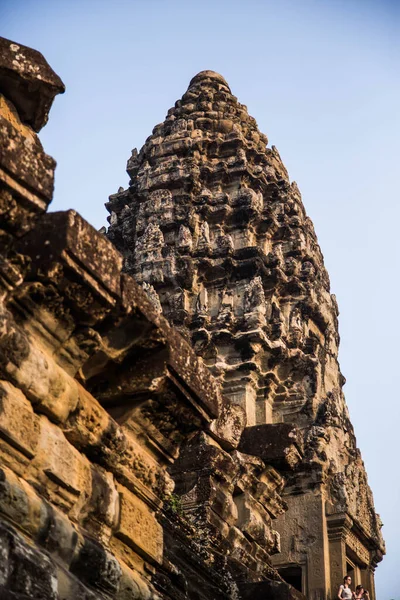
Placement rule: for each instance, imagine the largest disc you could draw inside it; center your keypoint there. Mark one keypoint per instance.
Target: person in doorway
(345, 592)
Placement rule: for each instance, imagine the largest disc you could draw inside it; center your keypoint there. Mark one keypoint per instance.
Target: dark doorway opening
(292, 575)
(350, 570)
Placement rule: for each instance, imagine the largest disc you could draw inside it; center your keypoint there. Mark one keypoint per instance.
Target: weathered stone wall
(123, 473)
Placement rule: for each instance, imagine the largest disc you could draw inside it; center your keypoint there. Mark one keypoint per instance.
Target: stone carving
(152, 239)
(153, 296)
(254, 300)
(132, 164)
(185, 241)
(202, 302)
(224, 244)
(225, 313)
(204, 234)
(296, 327)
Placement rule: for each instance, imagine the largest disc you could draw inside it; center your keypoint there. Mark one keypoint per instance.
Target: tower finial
(204, 75)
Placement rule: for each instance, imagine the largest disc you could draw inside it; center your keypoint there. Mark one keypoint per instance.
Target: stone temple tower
(212, 228)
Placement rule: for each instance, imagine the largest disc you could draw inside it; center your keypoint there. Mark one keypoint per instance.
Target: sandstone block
(88, 425)
(28, 165)
(19, 425)
(103, 506)
(35, 373)
(61, 462)
(60, 538)
(254, 521)
(97, 567)
(224, 506)
(26, 572)
(70, 588)
(269, 498)
(201, 452)
(21, 504)
(138, 527)
(207, 491)
(228, 427)
(133, 586)
(278, 444)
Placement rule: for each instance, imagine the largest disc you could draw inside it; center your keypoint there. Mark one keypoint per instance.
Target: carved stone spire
(210, 210)
(238, 270)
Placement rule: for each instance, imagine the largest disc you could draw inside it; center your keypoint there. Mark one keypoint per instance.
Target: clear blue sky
(322, 80)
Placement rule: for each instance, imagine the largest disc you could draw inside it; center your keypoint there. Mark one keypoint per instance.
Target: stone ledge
(28, 81)
(66, 238)
(19, 425)
(273, 590)
(278, 444)
(92, 264)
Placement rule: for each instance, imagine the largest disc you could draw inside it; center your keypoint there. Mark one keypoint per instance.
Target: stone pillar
(370, 576)
(305, 544)
(338, 526)
(365, 578)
